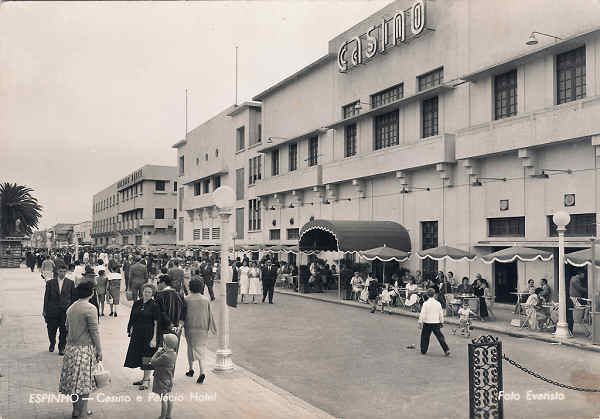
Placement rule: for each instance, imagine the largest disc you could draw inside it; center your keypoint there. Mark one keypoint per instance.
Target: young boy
(163, 362)
(464, 314)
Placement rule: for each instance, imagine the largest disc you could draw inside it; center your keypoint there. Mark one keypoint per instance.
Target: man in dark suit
(269, 275)
(208, 276)
(138, 276)
(60, 294)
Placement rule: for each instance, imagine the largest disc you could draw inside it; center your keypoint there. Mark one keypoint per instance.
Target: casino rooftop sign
(377, 39)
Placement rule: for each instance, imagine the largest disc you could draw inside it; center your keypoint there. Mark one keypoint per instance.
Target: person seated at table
(412, 297)
(479, 289)
(451, 281)
(534, 310)
(464, 288)
(546, 292)
(385, 297)
(357, 285)
(394, 288)
(531, 286)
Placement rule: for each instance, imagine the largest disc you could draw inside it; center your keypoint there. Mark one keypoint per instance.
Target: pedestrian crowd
(168, 302)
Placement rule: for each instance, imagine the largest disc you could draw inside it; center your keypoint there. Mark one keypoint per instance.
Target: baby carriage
(464, 326)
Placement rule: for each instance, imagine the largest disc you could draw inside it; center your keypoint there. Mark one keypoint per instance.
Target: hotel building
(221, 151)
(454, 119)
(139, 209)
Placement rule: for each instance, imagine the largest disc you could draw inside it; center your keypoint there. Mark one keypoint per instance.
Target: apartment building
(139, 209)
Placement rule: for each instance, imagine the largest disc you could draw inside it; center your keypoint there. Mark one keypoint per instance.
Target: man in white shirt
(431, 320)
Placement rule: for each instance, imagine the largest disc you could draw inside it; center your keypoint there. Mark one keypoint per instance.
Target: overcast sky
(90, 92)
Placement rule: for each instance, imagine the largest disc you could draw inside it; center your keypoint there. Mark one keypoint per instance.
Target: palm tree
(19, 211)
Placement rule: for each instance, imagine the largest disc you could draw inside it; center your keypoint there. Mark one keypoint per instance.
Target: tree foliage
(20, 212)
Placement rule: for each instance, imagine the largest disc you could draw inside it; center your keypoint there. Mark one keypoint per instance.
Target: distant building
(140, 209)
(82, 233)
(61, 235)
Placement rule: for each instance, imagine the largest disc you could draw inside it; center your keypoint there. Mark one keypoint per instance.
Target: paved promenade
(31, 371)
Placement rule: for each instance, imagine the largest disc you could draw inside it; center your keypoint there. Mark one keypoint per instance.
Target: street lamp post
(561, 219)
(224, 199)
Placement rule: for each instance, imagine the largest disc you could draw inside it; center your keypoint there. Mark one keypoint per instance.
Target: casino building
(139, 209)
(469, 123)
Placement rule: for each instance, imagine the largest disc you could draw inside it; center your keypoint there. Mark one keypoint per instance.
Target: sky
(91, 91)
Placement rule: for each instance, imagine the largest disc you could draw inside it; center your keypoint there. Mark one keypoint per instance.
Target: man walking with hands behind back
(60, 294)
(431, 320)
(269, 275)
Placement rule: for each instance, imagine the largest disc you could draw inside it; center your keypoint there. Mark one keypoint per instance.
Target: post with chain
(485, 378)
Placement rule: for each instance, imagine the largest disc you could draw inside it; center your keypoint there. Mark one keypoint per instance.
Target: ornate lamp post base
(224, 362)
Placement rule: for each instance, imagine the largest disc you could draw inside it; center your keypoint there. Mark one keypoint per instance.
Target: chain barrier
(548, 380)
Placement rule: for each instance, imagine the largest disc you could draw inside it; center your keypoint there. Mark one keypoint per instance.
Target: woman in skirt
(114, 289)
(82, 352)
(254, 285)
(244, 280)
(143, 331)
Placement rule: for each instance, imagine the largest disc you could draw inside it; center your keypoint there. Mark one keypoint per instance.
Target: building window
(350, 110)
(431, 79)
(430, 117)
(206, 186)
(174, 186)
(181, 165)
(239, 223)
(349, 140)
(216, 182)
(570, 75)
(216, 152)
(386, 130)
(293, 233)
(138, 240)
(216, 233)
(275, 234)
(313, 151)
(293, 156)
(259, 133)
(240, 140)
(387, 96)
(197, 188)
(254, 215)
(196, 234)
(239, 183)
(255, 170)
(180, 229)
(159, 186)
(581, 225)
(206, 234)
(159, 213)
(275, 162)
(505, 94)
(429, 240)
(174, 213)
(506, 227)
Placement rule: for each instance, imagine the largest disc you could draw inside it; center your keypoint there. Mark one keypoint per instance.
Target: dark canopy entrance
(352, 236)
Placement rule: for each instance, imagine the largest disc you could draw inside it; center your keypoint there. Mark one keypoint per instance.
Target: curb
(476, 324)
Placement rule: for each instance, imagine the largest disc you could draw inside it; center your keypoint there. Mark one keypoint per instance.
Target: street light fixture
(224, 199)
(358, 105)
(532, 40)
(561, 219)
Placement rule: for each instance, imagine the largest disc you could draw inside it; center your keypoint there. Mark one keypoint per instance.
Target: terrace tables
(518, 305)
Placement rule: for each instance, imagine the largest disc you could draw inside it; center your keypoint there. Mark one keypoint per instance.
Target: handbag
(146, 365)
(101, 376)
(109, 298)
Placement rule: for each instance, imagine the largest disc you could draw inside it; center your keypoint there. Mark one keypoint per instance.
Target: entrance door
(505, 277)
(571, 270)
(429, 231)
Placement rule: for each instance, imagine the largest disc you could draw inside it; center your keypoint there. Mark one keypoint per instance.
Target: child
(102, 285)
(163, 362)
(465, 314)
(385, 298)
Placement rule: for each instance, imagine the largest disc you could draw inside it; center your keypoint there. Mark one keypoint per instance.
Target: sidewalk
(501, 324)
(30, 370)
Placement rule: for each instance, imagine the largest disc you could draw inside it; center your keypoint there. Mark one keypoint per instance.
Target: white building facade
(439, 116)
(139, 209)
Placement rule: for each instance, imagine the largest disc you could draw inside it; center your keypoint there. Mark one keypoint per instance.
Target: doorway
(571, 271)
(505, 280)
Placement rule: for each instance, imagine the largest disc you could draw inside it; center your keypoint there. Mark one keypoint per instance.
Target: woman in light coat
(197, 322)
